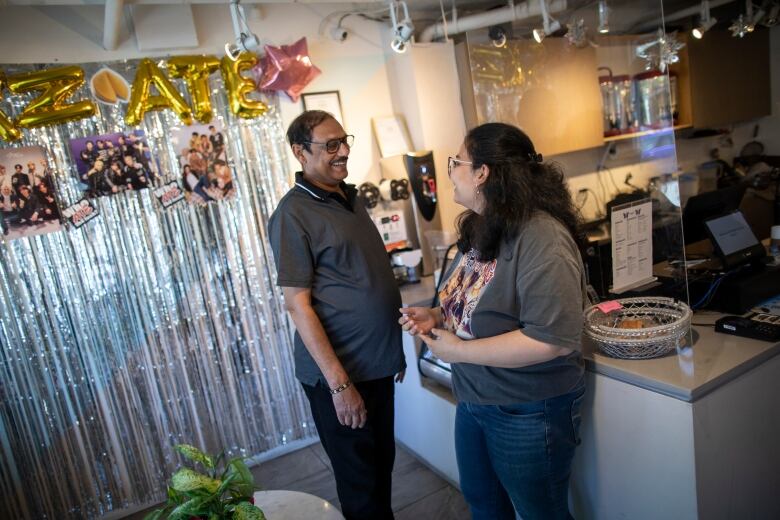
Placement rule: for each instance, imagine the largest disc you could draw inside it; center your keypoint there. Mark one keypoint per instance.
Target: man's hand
(350, 408)
(399, 377)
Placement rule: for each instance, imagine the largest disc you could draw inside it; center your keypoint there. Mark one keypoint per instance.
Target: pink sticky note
(609, 306)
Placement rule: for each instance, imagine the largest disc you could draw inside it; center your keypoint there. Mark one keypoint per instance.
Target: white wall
(356, 68)
(425, 90)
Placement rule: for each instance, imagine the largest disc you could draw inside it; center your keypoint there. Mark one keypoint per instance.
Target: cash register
(738, 276)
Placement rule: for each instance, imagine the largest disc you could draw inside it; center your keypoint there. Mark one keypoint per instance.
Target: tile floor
(417, 491)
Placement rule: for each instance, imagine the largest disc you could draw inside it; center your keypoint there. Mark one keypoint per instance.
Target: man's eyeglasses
(333, 145)
(452, 162)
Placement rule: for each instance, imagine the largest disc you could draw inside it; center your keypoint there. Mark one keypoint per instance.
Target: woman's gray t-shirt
(538, 285)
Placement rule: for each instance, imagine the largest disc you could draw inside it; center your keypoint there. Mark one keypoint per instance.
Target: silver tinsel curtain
(144, 328)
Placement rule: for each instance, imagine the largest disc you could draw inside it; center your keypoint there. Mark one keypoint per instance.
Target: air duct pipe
(510, 13)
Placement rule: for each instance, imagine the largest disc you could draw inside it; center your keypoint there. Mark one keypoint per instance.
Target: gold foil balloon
(55, 85)
(8, 130)
(142, 100)
(196, 71)
(239, 86)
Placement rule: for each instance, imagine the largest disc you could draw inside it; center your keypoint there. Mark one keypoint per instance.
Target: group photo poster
(111, 163)
(205, 172)
(27, 200)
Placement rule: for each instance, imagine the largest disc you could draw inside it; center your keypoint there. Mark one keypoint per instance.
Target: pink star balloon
(287, 69)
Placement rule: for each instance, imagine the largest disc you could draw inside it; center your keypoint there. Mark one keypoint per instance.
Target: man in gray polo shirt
(341, 294)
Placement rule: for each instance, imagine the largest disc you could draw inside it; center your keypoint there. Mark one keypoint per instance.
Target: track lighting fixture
(603, 17)
(339, 33)
(403, 29)
(497, 35)
(550, 24)
(705, 22)
(246, 40)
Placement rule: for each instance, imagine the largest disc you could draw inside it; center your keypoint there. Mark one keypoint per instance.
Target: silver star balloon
(741, 26)
(576, 33)
(669, 50)
(661, 52)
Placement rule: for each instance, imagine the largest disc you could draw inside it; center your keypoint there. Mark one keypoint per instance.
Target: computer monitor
(707, 205)
(733, 239)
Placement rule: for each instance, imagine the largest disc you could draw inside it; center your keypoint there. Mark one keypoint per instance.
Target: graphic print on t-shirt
(462, 292)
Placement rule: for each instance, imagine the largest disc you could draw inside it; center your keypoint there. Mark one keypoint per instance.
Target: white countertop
(688, 375)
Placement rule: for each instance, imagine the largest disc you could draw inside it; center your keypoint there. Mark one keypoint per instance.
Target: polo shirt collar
(323, 195)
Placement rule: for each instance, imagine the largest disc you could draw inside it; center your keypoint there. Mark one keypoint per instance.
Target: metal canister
(673, 97)
(608, 105)
(653, 100)
(625, 103)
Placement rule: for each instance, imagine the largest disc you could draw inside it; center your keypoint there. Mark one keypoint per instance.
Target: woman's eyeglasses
(452, 162)
(333, 145)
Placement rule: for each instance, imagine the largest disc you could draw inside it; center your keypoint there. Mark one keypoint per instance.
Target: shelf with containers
(558, 93)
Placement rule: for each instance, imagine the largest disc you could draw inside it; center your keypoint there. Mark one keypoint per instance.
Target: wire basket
(643, 328)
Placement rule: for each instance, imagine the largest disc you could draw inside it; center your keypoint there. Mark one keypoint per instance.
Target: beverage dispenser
(420, 210)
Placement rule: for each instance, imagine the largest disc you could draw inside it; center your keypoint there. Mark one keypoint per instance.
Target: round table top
(294, 505)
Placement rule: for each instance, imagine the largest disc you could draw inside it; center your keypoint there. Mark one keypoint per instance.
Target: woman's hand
(445, 345)
(418, 320)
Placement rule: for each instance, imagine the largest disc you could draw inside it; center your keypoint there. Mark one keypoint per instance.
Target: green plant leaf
(245, 484)
(229, 464)
(242, 469)
(247, 511)
(194, 454)
(174, 497)
(186, 480)
(226, 483)
(192, 507)
(156, 514)
(219, 458)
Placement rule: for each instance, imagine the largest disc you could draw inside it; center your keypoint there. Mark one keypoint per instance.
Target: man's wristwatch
(341, 387)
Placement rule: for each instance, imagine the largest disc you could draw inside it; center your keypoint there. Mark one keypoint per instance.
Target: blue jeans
(517, 458)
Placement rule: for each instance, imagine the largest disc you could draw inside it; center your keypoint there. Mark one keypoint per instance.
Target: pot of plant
(223, 491)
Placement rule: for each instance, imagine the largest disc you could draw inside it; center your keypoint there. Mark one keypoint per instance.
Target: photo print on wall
(27, 201)
(205, 173)
(112, 163)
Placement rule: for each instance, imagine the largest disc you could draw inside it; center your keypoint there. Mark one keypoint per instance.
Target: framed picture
(107, 164)
(327, 101)
(205, 173)
(391, 135)
(28, 204)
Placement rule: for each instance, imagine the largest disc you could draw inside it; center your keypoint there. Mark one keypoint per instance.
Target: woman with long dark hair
(510, 324)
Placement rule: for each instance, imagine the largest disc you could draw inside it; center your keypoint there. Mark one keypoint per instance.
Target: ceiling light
(772, 18)
(403, 29)
(550, 25)
(705, 23)
(756, 18)
(339, 33)
(246, 40)
(603, 17)
(497, 35)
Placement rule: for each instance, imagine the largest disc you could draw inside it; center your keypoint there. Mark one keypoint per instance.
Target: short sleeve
(551, 301)
(292, 250)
